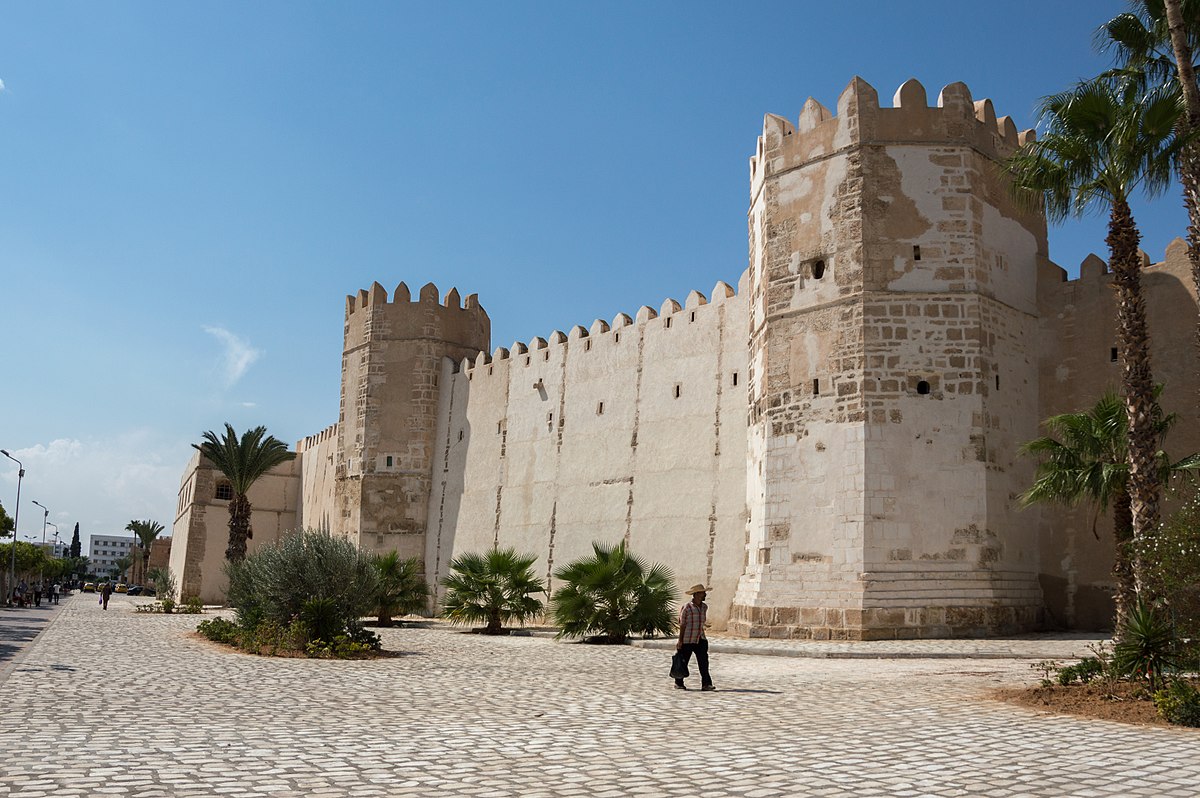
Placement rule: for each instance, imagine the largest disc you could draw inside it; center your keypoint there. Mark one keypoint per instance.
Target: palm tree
(121, 565)
(1103, 142)
(612, 592)
(494, 587)
(147, 532)
(402, 589)
(1155, 45)
(242, 462)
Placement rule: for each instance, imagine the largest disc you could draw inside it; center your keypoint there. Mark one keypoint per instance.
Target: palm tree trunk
(239, 528)
(1133, 342)
(1122, 562)
(494, 625)
(1189, 159)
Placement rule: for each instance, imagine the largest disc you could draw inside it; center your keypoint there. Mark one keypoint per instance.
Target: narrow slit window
(916, 252)
(587, 345)
(693, 317)
(460, 437)
(600, 408)
(490, 370)
(616, 338)
(735, 378)
(389, 461)
(816, 387)
(677, 390)
(527, 360)
(546, 355)
(667, 323)
(1112, 355)
(997, 382)
(499, 425)
(923, 387)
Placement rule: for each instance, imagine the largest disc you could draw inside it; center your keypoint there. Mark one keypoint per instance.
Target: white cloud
(1, 85)
(249, 404)
(102, 483)
(239, 355)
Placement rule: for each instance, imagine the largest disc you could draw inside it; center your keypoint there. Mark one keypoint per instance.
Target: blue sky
(189, 190)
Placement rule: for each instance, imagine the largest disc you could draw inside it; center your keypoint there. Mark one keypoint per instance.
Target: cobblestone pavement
(120, 704)
(18, 627)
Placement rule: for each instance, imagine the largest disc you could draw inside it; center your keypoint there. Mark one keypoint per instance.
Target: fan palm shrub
(310, 576)
(613, 594)
(1085, 459)
(243, 461)
(495, 587)
(402, 588)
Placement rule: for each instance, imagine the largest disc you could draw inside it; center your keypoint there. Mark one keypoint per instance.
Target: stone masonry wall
(632, 432)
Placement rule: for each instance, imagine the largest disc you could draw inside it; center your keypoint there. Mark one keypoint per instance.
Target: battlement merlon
(860, 120)
(370, 315)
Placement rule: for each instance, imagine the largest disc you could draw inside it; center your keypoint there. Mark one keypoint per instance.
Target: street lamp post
(42, 570)
(12, 565)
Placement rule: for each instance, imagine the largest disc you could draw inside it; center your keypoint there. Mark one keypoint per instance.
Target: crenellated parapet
(670, 315)
(859, 120)
(311, 441)
(1093, 270)
(371, 314)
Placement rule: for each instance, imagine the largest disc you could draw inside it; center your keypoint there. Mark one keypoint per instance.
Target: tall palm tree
(1085, 459)
(493, 587)
(242, 462)
(1104, 141)
(613, 593)
(147, 532)
(1155, 45)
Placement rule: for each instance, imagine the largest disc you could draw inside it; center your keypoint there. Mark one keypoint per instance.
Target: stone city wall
(634, 432)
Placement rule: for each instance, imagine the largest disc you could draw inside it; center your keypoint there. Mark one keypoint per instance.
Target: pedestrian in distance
(692, 618)
(57, 589)
(37, 594)
(106, 593)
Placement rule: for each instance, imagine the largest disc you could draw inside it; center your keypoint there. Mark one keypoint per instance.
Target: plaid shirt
(691, 623)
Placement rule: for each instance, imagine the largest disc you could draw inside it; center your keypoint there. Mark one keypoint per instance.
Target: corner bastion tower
(391, 359)
(893, 373)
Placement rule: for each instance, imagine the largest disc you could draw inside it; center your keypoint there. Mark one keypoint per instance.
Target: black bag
(679, 668)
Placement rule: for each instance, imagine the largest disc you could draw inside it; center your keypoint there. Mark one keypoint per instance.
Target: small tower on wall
(391, 359)
(893, 327)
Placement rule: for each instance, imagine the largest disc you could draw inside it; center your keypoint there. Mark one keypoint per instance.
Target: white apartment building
(105, 550)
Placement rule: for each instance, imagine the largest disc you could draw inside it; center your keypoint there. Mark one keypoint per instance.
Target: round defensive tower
(391, 358)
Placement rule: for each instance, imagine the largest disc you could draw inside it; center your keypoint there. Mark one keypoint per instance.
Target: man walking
(691, 636)
(57, 590)
(106, 593)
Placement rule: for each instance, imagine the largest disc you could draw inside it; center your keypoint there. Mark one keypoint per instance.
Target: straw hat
(694, 589)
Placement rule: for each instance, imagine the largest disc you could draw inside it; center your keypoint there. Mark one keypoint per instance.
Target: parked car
(89, 587)
(121, 588)
(135, 590)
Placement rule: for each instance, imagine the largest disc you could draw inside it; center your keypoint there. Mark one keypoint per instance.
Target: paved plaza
(121, 704)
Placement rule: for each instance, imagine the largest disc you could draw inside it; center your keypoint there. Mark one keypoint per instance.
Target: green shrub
(220, 630)
(402, 589)
(613, 594)
(1145, 644)
(168, 605)
(493, 588)
(192, 605)
(310, 573)
(1083, 671)
(1171, 573)
(1179, 703)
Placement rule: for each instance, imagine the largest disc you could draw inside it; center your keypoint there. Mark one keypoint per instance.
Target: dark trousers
(701, 651)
